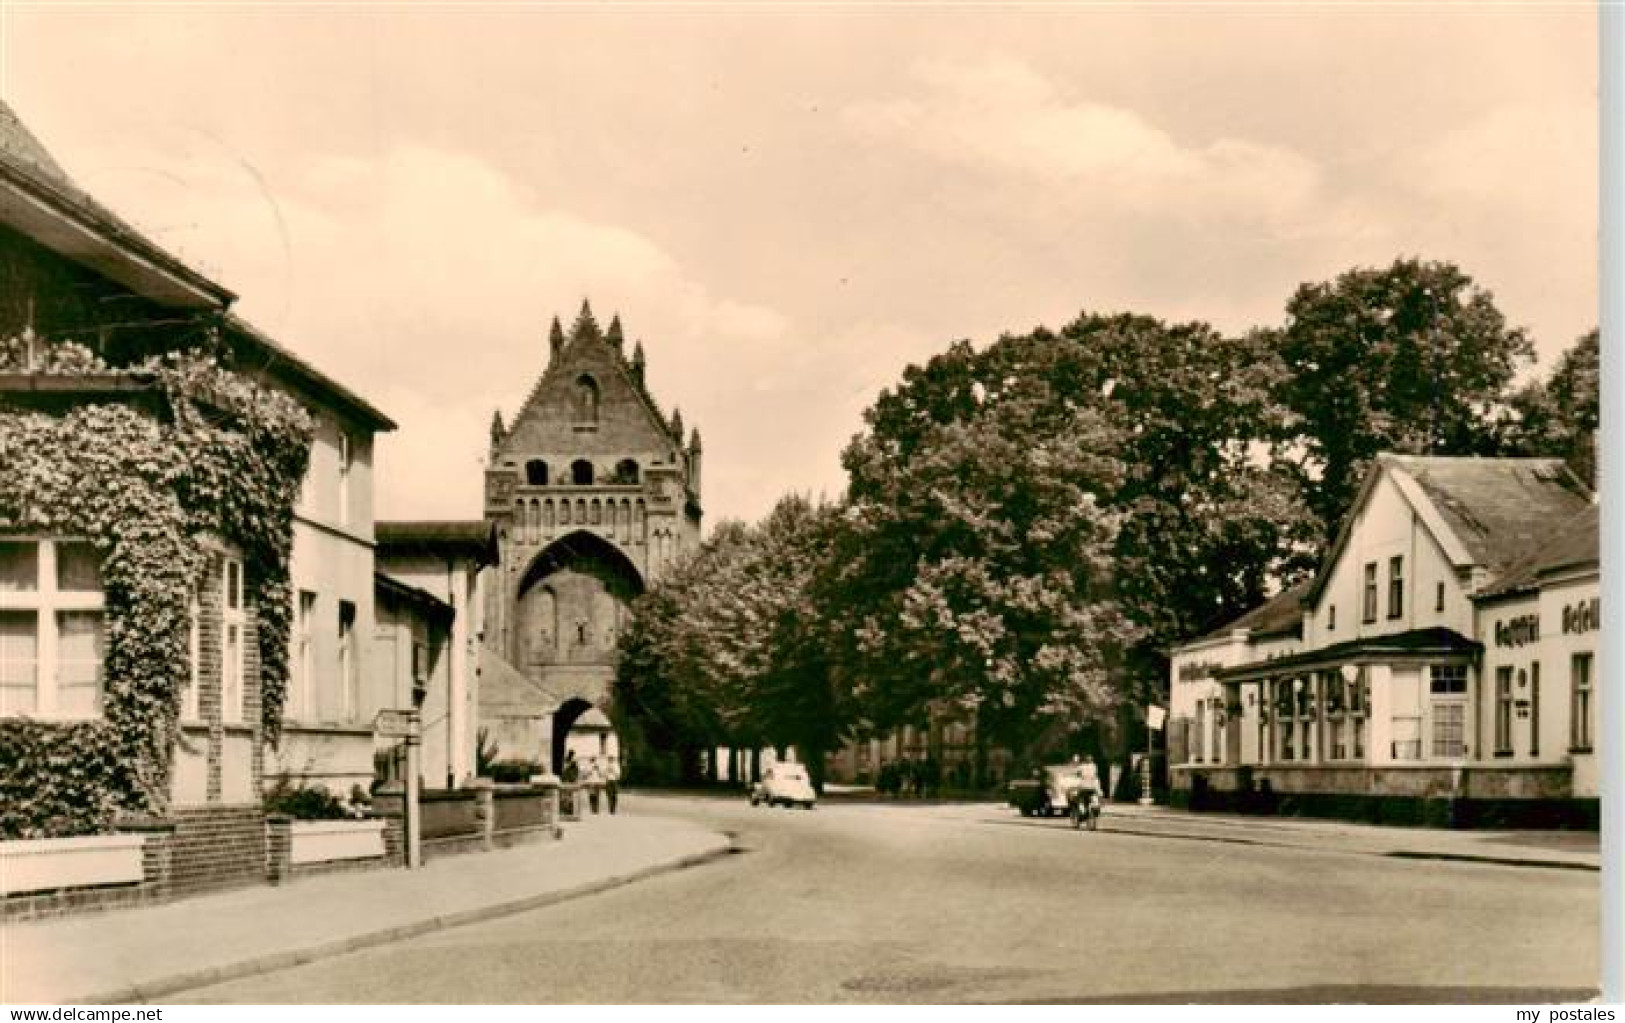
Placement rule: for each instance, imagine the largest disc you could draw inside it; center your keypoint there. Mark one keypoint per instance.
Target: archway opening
(564, 719)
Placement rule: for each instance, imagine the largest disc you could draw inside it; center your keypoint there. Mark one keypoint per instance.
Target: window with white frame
(303, 704)
(1447, 686)
(1580, 703)
(52, 637)
(1396, 586)
(349, 670)
(1368, 608)
(190, 704)
(232, 624)
(1503, 710)
(346, 461)
(1534, 709)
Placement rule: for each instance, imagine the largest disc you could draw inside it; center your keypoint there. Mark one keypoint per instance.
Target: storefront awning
(1415, 647)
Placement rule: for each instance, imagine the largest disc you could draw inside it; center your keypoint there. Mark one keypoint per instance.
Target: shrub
(309, 803)
(511, 772)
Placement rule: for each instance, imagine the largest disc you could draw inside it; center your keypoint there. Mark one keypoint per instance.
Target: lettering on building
(1518, 631)
(1582, 617)
(1193, 671)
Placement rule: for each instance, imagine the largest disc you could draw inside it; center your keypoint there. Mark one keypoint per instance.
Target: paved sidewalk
(1579, 850)
(137, 954)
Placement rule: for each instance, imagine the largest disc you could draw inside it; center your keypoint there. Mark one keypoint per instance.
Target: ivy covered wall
(205, 452)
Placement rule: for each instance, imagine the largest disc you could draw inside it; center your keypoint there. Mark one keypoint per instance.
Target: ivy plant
(219, 456)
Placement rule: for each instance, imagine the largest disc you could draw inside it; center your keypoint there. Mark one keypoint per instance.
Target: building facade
(87, 304)
(593, 494)
(1441, 666)
(431, 588)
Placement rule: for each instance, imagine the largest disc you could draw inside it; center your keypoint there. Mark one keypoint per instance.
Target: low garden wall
(1483, 795)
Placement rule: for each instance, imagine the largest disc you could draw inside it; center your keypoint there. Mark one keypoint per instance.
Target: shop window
(1503, 711)
(536, 473)
(1450, 729)
(1580, 703)
(52, 636)
(1396, 587)
(1369, 608)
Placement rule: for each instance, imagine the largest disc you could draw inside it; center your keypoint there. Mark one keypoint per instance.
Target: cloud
(424, 279)
(1001, 116)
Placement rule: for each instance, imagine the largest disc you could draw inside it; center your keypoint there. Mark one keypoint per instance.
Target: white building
(1442, 665)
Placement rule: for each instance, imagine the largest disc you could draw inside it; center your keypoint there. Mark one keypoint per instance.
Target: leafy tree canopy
(1409, 358)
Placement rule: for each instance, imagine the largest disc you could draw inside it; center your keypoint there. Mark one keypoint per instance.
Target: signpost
(1154, 716)
(407, 726)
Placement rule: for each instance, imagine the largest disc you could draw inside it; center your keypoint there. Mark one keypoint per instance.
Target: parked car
(1047, 793)
(784, 784)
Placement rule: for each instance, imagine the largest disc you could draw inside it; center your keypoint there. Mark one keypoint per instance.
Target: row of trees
(1031, 525)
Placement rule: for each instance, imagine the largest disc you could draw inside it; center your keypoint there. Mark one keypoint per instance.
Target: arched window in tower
(581, 472)
(536, 473)
(626, 472)
(586, 400)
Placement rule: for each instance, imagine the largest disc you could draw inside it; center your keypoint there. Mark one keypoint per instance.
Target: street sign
(396, 724)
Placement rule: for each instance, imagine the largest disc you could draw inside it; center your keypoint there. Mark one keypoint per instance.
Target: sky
(789, 204)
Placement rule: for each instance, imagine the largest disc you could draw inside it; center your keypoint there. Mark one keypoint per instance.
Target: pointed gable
(1484, 513)
(588, 401)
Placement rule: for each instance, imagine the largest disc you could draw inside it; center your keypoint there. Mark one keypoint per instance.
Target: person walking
(595, 782)
(570, 774)
(612, 782)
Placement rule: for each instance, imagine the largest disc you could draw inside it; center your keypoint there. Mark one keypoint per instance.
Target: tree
(975, 562)
(1410, 358)
(1560, 415)
(728, 649)
(1203, 521)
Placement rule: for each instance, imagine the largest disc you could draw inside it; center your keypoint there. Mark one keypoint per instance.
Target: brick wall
(217, 847)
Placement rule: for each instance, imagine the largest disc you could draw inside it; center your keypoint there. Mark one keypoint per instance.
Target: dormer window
(536, 473)
(586, 400)
(1370, 603)
(1396, 587)
(1331, 618)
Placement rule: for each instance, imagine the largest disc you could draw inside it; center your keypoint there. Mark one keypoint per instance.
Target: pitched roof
(1281, 613)
(474, 537)
(430, 604)
(1485, 512)
(1417, 643)
(505, 691)
(1575, 545)
(281, 363)
(46, 205)
(1499, 507)
(18, 144)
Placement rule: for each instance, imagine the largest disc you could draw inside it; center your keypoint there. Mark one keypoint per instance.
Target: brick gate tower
(593, 495)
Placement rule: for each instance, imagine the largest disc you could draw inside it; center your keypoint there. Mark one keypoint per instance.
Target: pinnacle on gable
(677, 424)
(637, 363)
(614, 337)
(555, 338)
(694, 440)
(585, 325)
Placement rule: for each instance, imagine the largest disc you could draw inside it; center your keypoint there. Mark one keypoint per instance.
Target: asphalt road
(944, 904)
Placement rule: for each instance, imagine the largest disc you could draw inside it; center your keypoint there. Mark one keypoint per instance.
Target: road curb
(1397, 854)
(271, 962)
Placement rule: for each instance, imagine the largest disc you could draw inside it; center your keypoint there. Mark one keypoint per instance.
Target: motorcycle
(1085, 809)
